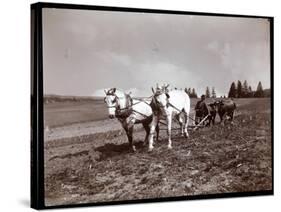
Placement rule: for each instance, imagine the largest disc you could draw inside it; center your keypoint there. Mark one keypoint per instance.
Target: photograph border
(37, 115)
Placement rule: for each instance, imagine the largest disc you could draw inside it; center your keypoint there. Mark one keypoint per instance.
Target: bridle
(114, 100)
(158, 105)
(121, 112)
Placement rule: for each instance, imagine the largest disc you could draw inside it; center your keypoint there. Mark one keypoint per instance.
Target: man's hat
(203, 96)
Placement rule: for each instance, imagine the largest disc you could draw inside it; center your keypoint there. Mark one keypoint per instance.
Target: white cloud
(131, 51)
(99, 93)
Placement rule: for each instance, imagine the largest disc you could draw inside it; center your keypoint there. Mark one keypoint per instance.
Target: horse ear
(105, 91)
(167, 95)
(167, 86)
(114, 89)
(152, 90)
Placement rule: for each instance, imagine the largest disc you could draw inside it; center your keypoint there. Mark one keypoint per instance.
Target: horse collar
(127, 111)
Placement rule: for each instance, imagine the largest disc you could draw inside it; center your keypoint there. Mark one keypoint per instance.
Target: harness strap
(127, 111)
(170, 104)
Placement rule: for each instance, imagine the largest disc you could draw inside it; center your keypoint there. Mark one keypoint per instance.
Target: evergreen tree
(259, 91)
(239, 89)
(232, 91)
(193, 93)
(214, 93)
(208, 95)
(250, 92)
(245, 89)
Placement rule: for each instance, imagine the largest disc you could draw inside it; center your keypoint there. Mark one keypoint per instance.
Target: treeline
(191, 92)
(50, 98)
(238, 90)
(209, 94)
(244, 90)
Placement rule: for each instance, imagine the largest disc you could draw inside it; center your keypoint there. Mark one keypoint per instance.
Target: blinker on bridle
(113, 101)
(158, 94)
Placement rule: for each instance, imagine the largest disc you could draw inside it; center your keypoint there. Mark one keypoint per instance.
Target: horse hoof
(134, 148)
(150, 149)
(169, 147)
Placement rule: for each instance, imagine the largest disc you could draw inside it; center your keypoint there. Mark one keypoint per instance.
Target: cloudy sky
(86, 51)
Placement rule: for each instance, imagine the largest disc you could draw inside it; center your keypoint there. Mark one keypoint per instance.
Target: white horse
(165, 105)
(129, 111)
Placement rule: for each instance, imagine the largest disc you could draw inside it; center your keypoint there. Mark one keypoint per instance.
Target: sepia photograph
(154, 105)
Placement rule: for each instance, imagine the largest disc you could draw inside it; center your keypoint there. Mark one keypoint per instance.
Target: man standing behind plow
(201, 110)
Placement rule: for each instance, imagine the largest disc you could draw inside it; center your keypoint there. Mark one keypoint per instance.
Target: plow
(192, 127)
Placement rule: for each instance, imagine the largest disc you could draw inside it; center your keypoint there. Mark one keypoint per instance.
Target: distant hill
(51, 98)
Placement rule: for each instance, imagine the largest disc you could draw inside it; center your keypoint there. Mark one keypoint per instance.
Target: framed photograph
(133, 105)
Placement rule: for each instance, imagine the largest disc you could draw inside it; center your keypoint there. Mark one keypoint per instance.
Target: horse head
(118, 103)
(161, 97)
(217, 104)
(111, 99)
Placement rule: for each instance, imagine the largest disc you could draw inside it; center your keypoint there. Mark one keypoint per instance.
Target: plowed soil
(91, 162)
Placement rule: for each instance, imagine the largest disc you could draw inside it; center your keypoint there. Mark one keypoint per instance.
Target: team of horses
(164, 104)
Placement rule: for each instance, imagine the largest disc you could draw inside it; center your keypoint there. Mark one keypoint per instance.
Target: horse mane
(117, 92)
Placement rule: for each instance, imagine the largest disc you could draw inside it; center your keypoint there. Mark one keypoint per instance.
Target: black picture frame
(37, 115)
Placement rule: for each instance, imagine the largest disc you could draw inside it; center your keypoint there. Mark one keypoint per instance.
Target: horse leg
(186, 125)
(154, 123)
(213, 118)
(223, 117)
(130, 138)
(231, 117)
(157, 132)
(147, 129)
(169, 130)
(179, 118)
(129, 130)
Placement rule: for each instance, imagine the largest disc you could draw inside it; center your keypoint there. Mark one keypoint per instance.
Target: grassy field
(69, 112)
(98, 167)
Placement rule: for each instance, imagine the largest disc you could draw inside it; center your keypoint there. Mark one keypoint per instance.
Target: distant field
(66, 112)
